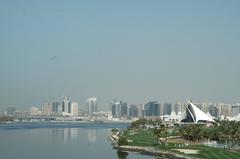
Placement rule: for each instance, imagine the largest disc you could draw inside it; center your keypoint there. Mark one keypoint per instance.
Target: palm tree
(161, 134)
(191, 132)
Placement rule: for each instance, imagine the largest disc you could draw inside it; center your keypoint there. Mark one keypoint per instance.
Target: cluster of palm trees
(229, 131)
(192, 132)
(143, 123)
(223, 131)
(161, 134)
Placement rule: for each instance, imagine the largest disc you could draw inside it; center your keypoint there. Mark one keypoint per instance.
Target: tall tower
(47, 108)
(91, 105)
(115, 108)
(74, 109)
(65, 105)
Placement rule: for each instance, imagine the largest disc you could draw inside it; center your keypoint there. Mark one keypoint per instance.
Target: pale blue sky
(130, 50)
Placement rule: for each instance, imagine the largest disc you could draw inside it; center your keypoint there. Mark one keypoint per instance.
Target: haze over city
(133, 51)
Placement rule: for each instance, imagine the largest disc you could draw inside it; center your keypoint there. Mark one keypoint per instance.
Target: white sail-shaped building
(194, 115)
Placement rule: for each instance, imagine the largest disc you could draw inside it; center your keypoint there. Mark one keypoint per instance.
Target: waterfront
(59, 140)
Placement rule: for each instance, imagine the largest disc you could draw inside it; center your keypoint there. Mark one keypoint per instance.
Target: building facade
(92, 105)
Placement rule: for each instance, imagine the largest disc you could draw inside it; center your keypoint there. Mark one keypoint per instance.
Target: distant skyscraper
(69, 107)
(56, 108)
(66, 105)
(60, 108)
(212, 110)
(152, 108)
(179, 108)
(218, 110)
(92, 105)
(133, 111)
(119, 109)
(47, 108)
(141, 111)
(123, 109)
(235, 109)
(74, 109)
(115, 107)
(226, 110)
(167, 108)
(11, 110)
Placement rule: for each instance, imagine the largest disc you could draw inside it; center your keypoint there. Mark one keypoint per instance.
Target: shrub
(122, 141)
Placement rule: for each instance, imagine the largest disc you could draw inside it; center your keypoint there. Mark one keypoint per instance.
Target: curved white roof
(197, 114)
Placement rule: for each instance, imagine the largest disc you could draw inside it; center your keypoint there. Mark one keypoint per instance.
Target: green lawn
(216, 153)
(146, 138)
(141, 138)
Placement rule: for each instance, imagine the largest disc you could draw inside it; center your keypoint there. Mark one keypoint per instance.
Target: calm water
(59, 141)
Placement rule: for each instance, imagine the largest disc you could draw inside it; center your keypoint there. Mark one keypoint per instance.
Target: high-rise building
(92, 105)
(11, 110)
(235, 109)
(226, 109)
(60, 108)
(115, 107)
(141, 110)
(133, 111)
(153, 108)
(56, 108)
(74, 109)
(179, 108)
(66, 105)
(167, 108)
(203, 107)
(119, 109)
(123, 109)
(219, 109)
(47, 108)
(212, 110)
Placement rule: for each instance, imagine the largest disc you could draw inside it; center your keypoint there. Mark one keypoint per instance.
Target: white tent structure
(195, 115)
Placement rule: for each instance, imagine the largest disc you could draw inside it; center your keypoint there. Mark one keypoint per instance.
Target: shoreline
(146, 150)
(68, 121)
(151, 151)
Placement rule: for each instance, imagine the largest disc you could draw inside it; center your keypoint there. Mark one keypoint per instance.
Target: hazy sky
(134, 51)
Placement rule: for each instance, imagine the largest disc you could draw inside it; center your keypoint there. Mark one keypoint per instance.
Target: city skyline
(106, 108)
(120, 110)
(134, 51)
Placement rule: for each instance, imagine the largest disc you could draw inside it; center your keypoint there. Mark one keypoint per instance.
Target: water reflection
(122, 154)
(70, 134)
(67, 134)
(84, 143)
(92, 135)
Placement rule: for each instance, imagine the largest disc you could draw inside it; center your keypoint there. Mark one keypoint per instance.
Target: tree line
(222, 131)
